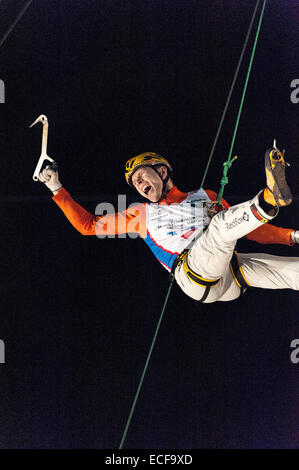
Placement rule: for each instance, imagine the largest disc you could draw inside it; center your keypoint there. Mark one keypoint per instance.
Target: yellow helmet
(144, 159)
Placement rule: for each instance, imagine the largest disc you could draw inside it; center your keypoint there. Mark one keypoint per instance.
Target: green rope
(224, 181)
(230, 161)
(146, 365)
(230, 93)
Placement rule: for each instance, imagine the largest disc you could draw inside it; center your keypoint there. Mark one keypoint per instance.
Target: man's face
(148, 183)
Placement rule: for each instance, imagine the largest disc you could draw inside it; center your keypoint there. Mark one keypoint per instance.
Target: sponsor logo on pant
(237, 221)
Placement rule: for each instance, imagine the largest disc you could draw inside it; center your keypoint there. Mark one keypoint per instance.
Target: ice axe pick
(43, 156)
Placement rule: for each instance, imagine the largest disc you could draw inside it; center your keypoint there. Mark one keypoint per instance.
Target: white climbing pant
(211, 253)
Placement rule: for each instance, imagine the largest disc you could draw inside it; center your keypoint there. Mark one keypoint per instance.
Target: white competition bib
(171, 228)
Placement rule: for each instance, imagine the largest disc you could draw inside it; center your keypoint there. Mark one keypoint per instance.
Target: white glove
(50, 177)
(295, 236)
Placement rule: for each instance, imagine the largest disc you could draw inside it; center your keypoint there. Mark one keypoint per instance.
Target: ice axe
(43, 156)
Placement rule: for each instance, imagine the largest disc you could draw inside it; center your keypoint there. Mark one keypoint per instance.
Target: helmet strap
(163, 193)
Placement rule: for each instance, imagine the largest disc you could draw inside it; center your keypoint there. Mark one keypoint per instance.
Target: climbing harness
(237, 269)
(197, 279)
(237, 272)
(234, 265)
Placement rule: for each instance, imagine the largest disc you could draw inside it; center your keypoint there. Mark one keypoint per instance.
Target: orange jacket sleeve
(129, 221)
(267, 233)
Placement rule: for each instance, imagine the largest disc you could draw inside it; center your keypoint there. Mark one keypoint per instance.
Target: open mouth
(147, 189)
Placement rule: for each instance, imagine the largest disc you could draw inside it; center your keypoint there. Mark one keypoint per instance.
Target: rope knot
(224, 180)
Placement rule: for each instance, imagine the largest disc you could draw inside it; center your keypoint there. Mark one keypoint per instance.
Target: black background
(78, 314)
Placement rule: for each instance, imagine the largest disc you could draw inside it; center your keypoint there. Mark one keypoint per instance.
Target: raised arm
(128, 221)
